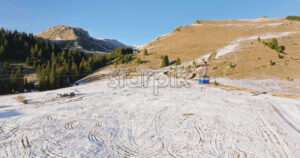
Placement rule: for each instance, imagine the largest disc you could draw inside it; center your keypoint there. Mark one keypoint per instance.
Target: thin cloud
(22, 10)
(286, 7)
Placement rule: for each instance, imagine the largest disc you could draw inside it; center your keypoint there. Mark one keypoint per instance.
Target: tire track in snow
(103, 149)
(117, 142)
(189, 129)
(53, 143)
(272, 140)
(70, 125)
(14, 140)
(285, 119)
(159, 133)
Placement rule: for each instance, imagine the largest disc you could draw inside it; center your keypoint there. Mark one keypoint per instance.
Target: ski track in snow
(266, 85)
(235, 45)
(103, 121)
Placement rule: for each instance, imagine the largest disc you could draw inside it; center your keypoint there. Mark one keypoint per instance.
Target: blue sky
(133, 21)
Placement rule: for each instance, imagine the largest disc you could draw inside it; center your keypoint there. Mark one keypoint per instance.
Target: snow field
(105, 119)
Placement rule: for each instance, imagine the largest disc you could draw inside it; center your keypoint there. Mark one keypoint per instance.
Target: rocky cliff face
(80, 39)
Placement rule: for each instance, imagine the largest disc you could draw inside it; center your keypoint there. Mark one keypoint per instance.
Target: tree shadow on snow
(8, 114)
(4, 106)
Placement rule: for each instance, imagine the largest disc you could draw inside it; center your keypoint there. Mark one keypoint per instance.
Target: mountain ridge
(80, 39)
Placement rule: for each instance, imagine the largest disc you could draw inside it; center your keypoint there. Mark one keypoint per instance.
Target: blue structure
(204, 79)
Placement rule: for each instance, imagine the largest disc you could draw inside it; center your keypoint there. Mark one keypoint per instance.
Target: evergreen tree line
(297, 18)
(56, 67)
(121, 55)
(18, 46)
(13, 82)
(65, 68)
(275, 45)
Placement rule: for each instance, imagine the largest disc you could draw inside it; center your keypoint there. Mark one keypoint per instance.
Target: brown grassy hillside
(250, 57)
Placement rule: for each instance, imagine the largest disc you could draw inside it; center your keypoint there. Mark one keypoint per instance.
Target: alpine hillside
(237, 49)
(78, 38)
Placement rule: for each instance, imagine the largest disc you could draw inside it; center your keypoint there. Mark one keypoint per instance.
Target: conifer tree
(145, 52)
(52, 79)
(139, 61)
(165, 61)
(2, 53)
(178, 62)
(17, 80)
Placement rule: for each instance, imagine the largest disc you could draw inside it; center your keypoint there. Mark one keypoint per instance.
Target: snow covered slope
(121, 119)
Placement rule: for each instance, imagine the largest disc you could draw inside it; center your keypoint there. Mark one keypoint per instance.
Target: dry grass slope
(239, 38)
